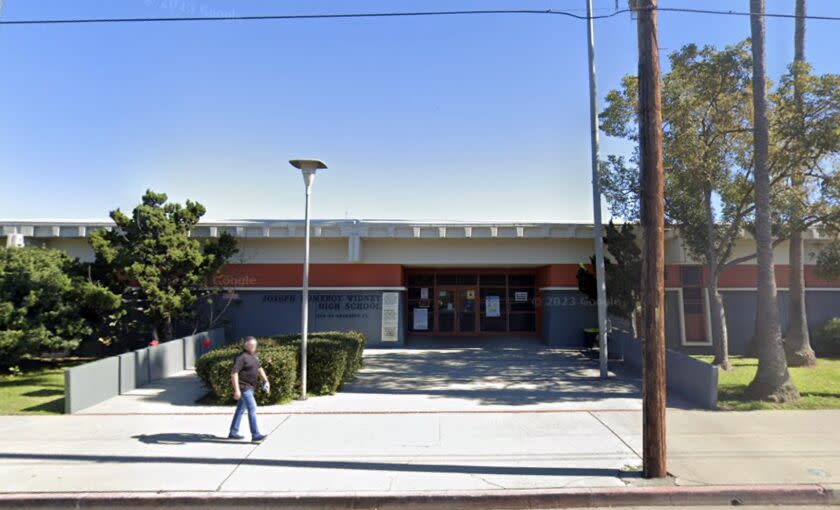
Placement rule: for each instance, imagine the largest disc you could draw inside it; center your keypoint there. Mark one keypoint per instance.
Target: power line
(290, 17)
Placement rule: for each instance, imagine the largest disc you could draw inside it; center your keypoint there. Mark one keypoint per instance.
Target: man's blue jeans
(246, 401)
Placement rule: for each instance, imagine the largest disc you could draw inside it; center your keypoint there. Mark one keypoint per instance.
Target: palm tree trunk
(797, 341)
(772, 380)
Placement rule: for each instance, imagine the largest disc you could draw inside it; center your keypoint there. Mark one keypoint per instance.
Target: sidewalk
(465, 446)
(411, 452)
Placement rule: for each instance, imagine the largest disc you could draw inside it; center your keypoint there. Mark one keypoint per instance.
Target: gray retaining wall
(692, 380)
(89, 384)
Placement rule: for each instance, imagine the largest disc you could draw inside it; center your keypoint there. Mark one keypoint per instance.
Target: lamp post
(600, 277)
(308, 167)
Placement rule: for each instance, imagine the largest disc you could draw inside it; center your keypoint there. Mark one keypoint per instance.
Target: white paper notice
(390, 307)
(421, 319)
(424, 293)
(492, 306)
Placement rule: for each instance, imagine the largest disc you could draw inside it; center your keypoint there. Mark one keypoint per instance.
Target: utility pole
(653, 249)
(600, 275)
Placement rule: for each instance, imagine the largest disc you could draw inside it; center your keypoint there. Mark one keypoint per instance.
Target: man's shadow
(177, 438)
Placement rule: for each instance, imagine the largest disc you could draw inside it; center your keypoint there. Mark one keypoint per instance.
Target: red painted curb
(484, 500)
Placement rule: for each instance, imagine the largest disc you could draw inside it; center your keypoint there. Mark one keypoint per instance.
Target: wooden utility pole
(653, 250)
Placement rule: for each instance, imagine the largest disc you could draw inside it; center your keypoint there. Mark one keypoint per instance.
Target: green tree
(47, 304)
(708, 156)
(151, 259)
(808, 127)
(623, 267)
(706, 116)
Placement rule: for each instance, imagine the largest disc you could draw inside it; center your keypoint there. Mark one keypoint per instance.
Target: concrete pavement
(427, 442)
(503, 377)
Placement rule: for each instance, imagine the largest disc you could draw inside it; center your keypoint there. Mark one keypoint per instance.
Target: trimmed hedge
(280, 363)
(827, 338)
(333, 357)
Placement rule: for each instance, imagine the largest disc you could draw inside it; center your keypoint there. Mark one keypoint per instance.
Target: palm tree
(797, 341)
(772, 379)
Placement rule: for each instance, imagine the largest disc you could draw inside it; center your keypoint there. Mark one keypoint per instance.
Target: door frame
(457, 303)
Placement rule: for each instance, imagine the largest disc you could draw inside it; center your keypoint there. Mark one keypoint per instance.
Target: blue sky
(459, 118)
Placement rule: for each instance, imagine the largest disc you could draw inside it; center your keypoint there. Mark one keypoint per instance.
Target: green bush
(333, 357)
(47, 304)
(280, 363)
(827, 338)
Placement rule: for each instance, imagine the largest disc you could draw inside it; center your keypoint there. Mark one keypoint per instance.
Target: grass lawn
(819, 387)
(39, 389)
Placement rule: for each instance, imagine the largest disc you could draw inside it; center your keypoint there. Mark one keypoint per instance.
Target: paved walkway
(516, 429)
(504, 376)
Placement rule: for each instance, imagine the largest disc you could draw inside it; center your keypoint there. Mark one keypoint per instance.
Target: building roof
(335, 228)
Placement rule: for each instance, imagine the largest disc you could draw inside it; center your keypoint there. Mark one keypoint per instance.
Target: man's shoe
(258, 438)
(235, 436)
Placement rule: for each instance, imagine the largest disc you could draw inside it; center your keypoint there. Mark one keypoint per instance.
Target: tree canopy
(47, 304)
(150, 258)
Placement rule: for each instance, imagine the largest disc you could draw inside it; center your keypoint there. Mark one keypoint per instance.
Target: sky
(473, 118)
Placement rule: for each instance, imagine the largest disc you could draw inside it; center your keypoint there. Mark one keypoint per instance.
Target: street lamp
(308, 167)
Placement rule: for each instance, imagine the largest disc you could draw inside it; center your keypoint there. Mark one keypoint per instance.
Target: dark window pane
(524, 280)
(421, 280)
(492, 291)
(692, 300)
(466, 322)
(691, 275)
(446, 321)
(467, 279)
(521, 299)
(492, 280)
(523, 322)
(417, 293)
(493, 324)
(447, 279)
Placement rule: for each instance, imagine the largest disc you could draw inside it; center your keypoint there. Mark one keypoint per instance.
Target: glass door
(467, 311)
(446, 310)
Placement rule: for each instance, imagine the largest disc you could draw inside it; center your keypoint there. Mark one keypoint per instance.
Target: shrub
(827, 338)
(47, 305)
(333, 357)
(280, 363)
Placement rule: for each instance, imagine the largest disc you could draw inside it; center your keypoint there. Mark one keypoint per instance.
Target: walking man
(243, 377)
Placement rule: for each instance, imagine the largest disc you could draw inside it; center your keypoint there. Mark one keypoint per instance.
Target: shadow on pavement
(176, 438)
(323, 464)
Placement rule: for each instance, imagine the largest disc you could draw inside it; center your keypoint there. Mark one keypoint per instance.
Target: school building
(399, 280)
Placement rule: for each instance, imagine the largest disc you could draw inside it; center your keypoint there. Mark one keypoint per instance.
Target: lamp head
(308, 164)
(308, 167)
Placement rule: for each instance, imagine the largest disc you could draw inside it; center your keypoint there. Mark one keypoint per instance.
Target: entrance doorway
(456, 311)
(471, 302)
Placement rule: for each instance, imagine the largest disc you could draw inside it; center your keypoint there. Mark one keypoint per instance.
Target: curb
(724, 495)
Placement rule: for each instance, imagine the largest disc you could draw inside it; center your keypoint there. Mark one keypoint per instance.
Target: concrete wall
(92, 383)
(269, 312)
(565, 314)
(694, 381)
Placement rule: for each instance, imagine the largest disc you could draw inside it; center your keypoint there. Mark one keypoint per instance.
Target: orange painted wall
(391, 275)
(557, 275)
(320, 275)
